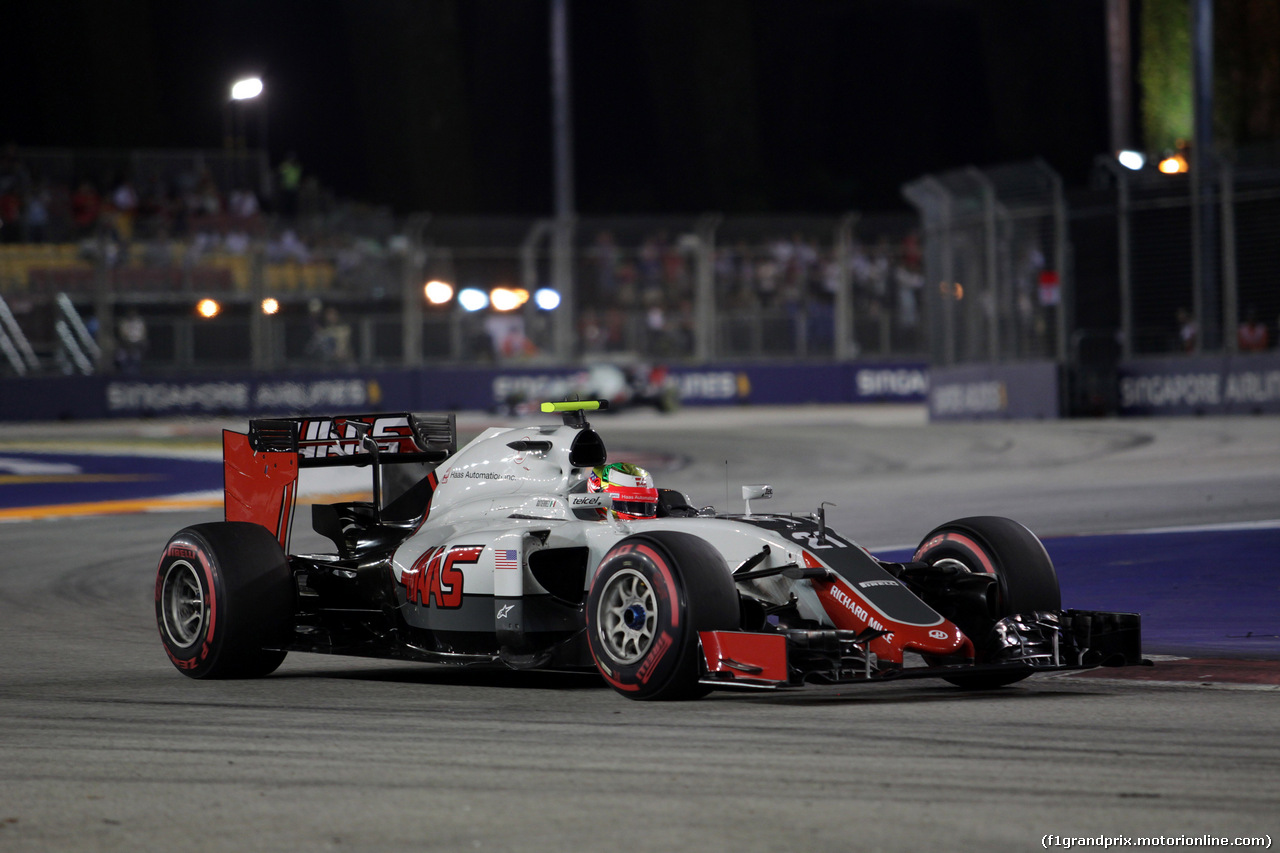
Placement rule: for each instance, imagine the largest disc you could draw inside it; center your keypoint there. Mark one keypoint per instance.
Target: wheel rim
(183, 604)
(952, 562)
(627, 616)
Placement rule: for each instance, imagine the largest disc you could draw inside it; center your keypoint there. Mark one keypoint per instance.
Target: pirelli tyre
(651, 595)
(224, 600)
(1024, 574)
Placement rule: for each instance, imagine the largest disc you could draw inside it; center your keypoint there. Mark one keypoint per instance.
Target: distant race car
(510, 552)
(621, 384)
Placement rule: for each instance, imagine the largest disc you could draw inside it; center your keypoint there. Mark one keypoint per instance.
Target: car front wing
(1042, 641)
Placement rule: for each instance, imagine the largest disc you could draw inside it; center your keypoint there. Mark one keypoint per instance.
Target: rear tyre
(649, 599)
(1025, 577)
(224, 600)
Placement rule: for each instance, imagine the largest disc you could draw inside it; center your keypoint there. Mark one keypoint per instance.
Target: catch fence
(997, 265)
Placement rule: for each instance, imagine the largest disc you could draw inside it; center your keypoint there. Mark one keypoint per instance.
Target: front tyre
(649, 599)
(1024, 574)
(224, 600)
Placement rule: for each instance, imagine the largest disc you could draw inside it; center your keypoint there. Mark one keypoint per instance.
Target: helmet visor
(636, 509)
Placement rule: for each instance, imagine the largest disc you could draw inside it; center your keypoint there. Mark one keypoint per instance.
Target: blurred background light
(270, 305)
(438, 292)
(208, 308)
(473, 299)
(547, 299)
(508, 298)
(1173, 164)
(1134, 160)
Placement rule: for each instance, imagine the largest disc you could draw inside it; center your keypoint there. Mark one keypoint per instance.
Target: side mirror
(760, 492)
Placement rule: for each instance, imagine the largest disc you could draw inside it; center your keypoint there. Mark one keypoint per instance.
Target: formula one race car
(507, 552)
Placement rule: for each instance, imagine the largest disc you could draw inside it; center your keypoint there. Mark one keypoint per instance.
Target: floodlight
(246, 89)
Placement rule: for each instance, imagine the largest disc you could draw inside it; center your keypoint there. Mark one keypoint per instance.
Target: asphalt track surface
(104, 746)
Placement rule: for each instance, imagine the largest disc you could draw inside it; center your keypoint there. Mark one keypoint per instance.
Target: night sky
(741, 106)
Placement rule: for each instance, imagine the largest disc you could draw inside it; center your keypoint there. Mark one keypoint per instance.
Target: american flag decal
(505, 559)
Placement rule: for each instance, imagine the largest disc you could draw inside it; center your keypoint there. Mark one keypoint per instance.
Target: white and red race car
(499, 555)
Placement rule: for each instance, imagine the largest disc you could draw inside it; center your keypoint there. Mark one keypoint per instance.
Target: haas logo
(324, 437)
(435, 576)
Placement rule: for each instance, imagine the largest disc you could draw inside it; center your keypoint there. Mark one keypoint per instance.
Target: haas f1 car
(503, 554)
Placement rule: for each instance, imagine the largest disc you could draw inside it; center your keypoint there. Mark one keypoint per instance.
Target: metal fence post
(411, 294)
(1230, 284)
(259, 334)
(1208, 297)
(933, 202)
(989, 261)
(1061, 261)
(562, 280)
(1124, 262)
(104, 310)
(845, 346)
(945, 290)
(538, 232)
(705, 348)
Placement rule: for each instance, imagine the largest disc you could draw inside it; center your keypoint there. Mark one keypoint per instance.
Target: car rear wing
(342, 439)
(260, 470)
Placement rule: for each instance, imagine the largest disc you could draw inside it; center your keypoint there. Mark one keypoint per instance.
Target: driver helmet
(634, 494)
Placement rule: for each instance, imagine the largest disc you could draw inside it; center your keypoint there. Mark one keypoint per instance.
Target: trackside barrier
(437, 389)
(1152, 386)
(995, 392)
(1208, 385)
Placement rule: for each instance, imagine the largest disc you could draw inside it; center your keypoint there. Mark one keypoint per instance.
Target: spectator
(604, 257)
(124, 207)
(131, 345)
(13, 174)
(655, 322)
(912, 255)
(910, 283)
(289, 247)
(237, 242)
(86, 206)
(1252, 336)
(38, 213)
(204, 199)
(507, 336)
(153, 207)
(243, 203)
(675, 279)
(767, 275)
(614, 330)
(649, 263)
(290, 174)
(1188, 331)
(10, 215)
(340, 333)
(331, 341)
(590, 332)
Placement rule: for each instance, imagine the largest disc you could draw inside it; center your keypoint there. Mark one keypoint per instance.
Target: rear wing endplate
(260, 470)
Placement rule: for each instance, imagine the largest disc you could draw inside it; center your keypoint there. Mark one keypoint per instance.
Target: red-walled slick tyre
(224, 600)
(649, 599)
(1003, 548)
